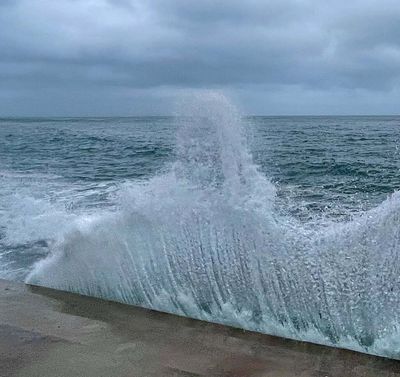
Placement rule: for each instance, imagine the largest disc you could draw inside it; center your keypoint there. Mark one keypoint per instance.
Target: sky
(131, 57)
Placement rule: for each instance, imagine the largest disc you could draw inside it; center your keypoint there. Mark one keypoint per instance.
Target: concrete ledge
(44, 332)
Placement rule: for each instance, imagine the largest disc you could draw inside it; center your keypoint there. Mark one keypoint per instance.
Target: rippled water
(280, 231)
(325, 164)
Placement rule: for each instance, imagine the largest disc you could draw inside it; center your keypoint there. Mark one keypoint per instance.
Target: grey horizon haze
(129, 57)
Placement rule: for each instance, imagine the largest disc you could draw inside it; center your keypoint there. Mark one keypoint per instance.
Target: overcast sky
(127, 57)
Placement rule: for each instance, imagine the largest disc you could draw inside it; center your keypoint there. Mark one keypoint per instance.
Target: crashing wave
(207, 240)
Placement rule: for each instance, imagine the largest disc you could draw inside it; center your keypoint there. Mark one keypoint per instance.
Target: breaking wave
(208, 240)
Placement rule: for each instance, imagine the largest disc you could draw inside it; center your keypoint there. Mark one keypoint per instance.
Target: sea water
(284, 225)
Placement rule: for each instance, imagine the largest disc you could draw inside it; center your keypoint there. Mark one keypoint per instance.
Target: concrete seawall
(44, 332)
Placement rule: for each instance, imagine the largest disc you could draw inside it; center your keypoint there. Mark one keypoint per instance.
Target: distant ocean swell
(207, 240)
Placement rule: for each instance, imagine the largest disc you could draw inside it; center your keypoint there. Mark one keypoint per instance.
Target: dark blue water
(321, 165)
(65, 182)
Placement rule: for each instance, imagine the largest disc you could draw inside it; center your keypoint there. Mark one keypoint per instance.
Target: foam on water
(207, 240)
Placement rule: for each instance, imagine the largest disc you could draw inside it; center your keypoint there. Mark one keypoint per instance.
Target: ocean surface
(283, 225)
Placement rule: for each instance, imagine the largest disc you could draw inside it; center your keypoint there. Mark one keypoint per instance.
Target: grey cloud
(99, 47)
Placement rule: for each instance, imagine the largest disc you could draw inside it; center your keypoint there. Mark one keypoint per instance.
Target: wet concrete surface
(46, 333)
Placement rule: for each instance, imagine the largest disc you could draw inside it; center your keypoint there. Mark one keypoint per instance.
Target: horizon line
(183, 116)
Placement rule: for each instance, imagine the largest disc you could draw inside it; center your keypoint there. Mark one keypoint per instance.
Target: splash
(207, 240)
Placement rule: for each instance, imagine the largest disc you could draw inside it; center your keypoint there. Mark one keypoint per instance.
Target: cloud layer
(80, 57)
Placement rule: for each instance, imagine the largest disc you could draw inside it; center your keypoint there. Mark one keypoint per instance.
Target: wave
(208, 240)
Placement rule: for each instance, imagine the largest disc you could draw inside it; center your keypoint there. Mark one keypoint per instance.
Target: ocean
(284, 225)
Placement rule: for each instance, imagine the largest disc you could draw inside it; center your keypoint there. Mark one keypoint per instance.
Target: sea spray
(207, 240)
